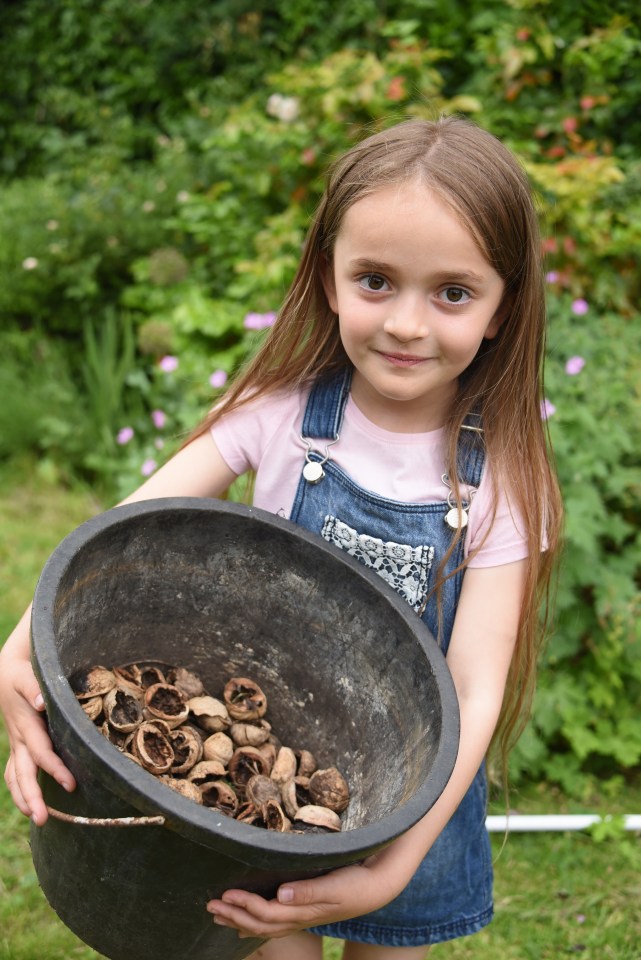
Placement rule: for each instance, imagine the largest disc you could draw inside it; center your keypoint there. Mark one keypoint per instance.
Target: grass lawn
(557, 894)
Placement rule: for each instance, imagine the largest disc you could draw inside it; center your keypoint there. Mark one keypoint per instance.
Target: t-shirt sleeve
(506, 541)
(263, 436)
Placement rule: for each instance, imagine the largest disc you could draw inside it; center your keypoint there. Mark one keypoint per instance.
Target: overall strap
(326, 406)
(471, 451)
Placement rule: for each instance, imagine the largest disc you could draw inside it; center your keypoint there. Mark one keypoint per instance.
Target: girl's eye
(374, 282)
(454, 295)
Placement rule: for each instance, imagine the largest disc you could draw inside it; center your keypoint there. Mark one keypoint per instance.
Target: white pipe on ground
(521, 823)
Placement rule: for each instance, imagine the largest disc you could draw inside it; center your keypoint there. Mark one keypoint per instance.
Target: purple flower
(547, 409)
(158, 418)
(574, 365)
(552, 276)
(218, 379)
(124, 435)
(258, 321)
(168, 364)
(148, 467)
(580, 307)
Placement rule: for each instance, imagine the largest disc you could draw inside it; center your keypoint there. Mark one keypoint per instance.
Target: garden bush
(159, 164)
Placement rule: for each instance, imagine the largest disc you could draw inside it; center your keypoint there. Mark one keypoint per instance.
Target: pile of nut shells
(221, 753)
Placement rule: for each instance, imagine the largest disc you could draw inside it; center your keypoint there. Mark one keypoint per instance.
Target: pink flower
(574, 365)
(124, 435)
(580, 307)
(552, 276)
(547, 409)
(148, 467)
(168, 364)
(158, 418)
(258, 321)
(218, 379)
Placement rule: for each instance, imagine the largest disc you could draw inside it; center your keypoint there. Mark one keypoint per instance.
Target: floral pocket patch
(405, 568)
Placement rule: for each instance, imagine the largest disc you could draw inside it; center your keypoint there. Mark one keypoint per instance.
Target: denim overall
(450, 895)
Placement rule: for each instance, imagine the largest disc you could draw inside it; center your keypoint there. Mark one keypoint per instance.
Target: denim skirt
(449, 896)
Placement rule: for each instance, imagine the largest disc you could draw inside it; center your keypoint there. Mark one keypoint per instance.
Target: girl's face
(414, 297)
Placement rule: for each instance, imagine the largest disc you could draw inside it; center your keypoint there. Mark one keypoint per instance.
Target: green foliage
(159, 174)
(586, 714)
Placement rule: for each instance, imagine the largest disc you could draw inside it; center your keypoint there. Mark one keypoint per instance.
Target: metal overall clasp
(313, 470)
(456, 517)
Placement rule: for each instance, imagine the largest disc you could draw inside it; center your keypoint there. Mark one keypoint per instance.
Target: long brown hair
(485, 186)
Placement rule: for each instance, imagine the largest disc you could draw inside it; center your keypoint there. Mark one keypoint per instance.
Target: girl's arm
(478, 657)
(197, 470)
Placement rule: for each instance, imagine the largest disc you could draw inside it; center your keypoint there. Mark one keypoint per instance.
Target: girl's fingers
(296, 908)
(32, 752)
(12, 785)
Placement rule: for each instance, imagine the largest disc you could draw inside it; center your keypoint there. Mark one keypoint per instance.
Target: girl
(395, 411)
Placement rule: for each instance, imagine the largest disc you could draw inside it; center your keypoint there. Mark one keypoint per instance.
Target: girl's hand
(339, 895)
(31, 748)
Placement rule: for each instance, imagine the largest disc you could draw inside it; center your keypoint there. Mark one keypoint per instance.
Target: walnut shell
(247, 813)
(152, 748)
(146, 674)
(274, 817)
(188, 750)
(95, 682)
(306, 763)
(289, 798)
(246, 762)
(206, 771)
(259, 789)
(285, 766)
(119, 739)
(218, 747)
(221, 796)
(209, 713)
(244, 699)
(92, 707)
(122, 710)
(328, 788)
(186, 681)
(250, 734)
(317, 816)
(184, 787)
(125, 681)
(164, 701)
(268, 751)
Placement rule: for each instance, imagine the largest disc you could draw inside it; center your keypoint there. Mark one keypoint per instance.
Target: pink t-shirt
(264, 436)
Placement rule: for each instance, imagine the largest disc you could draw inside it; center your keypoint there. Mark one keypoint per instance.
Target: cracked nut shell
(122, 710)
(188, 750)
(95, 682)
(245, 763)
(209, 713)
(152, 748)
(329, 789)
(244, 699)
(316, 816)
(218, 747)
(165, 702)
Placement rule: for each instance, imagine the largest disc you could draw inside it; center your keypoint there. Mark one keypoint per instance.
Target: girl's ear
(329, 283)
(496, 322)
(493, 327)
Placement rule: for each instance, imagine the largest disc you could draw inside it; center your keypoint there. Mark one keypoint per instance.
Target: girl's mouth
(402, 359)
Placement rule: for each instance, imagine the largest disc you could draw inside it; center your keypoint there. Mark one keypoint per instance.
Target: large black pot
(349, 670)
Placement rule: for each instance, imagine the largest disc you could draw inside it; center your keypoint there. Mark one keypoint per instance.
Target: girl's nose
(407, 321)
